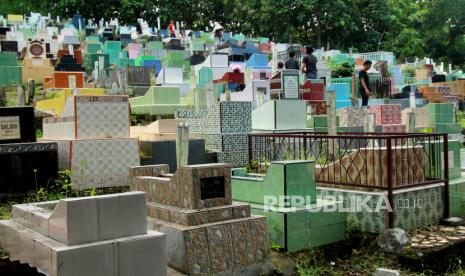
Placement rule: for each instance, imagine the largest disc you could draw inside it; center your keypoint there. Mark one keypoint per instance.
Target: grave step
(192, 217)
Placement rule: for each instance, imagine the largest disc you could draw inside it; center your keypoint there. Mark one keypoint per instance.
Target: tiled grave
(57, 98)
(291, 224)
(224, 128)
(206, 232)
(93, 140)
(158, 100)
(100, 235)
(279, 115)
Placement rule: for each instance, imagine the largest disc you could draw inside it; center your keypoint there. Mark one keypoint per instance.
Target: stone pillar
(369, 123)
(197, 99)
(21, 96)
(72, 85)
(353, 99)
(413, 103)
(331, 112)
(411, 122)
(114, 88)
(31, 86)
(228, 95)
(370, 127)
(182, 145)
(333, 148)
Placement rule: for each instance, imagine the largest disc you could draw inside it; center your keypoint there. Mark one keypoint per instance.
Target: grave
(388, 118)
(257, 92)
(35, 65)
(158, 100)
(224, 127)
(291, 224)
(10, 72)
(442, 119)
(157, 143)
(93, 140)
(343, 94)
(280, 116)
(56, 98)
(61, 80)
(352, 116)
(139, 79)
(21, 159)
(285, 84)
(99, 235)
(206, 232)
(218, 62)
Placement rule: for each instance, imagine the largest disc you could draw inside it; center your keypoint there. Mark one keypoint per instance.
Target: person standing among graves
(364, 82)
(217, 33)
(172, 29)
(291, 63)
(309, 64)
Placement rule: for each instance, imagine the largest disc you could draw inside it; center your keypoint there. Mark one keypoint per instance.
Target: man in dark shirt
(291, 63)
(364, 82)
(309, 64)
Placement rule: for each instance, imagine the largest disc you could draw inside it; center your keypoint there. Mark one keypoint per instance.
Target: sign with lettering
(9, 128)
(291, 86)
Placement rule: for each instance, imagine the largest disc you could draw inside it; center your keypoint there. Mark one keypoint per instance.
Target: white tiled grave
(94, 141)
(100, 235)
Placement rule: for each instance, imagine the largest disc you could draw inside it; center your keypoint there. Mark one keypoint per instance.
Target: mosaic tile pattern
(352, 116)
(369, 166)
(419, 208)
(205, 235)
(224, 127)
(102, 117)
(103, 162)
(387, 114)
(90, 117)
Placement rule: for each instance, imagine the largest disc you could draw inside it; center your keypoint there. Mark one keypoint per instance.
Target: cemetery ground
(358, 254)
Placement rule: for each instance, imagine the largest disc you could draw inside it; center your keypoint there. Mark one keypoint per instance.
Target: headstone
(21, 95)
(331, 103)
(205, 231)
(31, 86)
(411, 122)
(182, 145)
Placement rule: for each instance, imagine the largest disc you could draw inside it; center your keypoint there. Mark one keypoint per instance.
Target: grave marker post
(182, 145)
(413, 103)
(332, 130)
(21, 96)
(411, 122)
(72, 84)
(31, 86)
(369, 126)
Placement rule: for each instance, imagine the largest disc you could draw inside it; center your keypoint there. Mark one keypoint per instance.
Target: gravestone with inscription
(25, 165)
(206, 233)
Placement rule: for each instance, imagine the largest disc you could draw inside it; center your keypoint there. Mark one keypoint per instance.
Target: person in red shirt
(172, 29)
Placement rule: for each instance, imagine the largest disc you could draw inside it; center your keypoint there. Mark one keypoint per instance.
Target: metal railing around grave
(379, 161)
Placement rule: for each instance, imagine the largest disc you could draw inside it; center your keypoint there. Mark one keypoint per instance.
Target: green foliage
(342, 70)
(409, 28)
